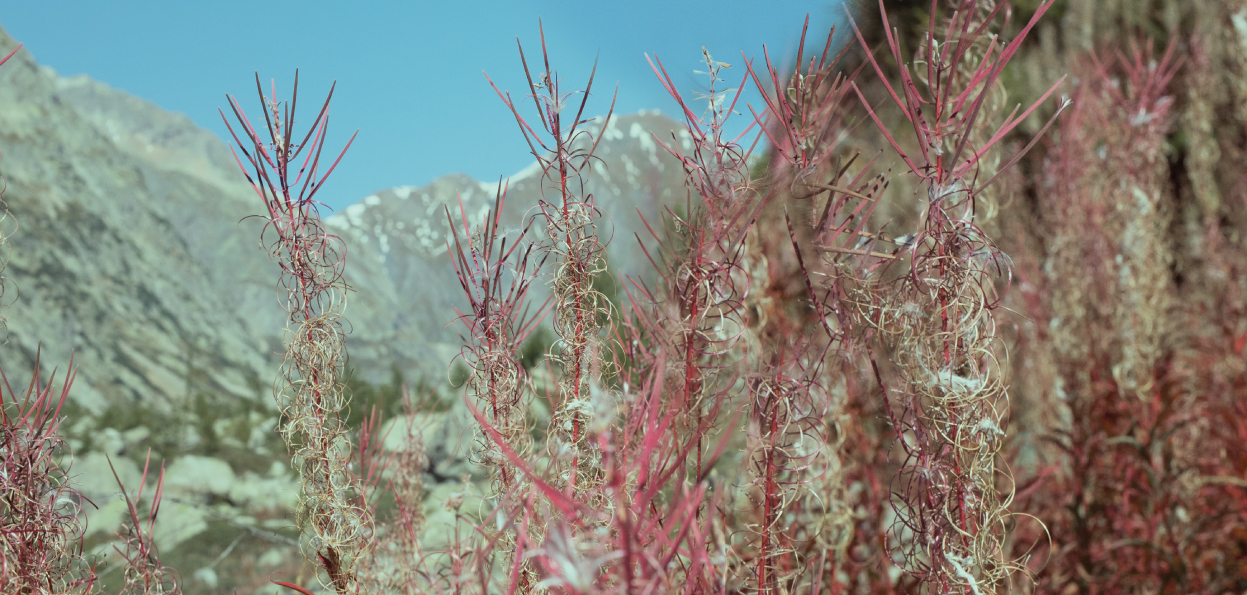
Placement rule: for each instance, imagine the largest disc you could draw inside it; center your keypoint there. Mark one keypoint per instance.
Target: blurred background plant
(142, 572)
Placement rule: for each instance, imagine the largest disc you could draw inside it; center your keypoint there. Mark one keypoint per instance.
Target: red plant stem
(577, 356)
(690, 368)
(771, 490)
(948, 346)
(493, 402)
(578, 353)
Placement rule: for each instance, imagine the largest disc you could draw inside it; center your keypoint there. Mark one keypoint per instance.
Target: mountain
(133, 254)
(126, 252)
(398, 238)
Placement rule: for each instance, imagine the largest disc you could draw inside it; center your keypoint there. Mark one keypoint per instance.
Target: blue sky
(409, 73)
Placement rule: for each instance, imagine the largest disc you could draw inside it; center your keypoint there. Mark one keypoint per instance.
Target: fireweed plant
(933, 305)
(495, 281)
(699, 314)
(563, 229)
(731, 338)
(625, 496)
(41, 516)
(700, 258)
(686, 361)
(568, 223)
(804, 121)
(807, 333)
(397, 564)
(142, 572)
(285, 171)
(1152, 495)
(614, 499)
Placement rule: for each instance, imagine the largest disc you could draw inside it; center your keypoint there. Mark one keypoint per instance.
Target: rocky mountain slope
(124, 231)
(132, 251)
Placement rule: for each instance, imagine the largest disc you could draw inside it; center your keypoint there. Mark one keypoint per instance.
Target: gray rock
(111, 442)
(195, 477)
(207, 576)
(92, 477)
(447, 440)
(276, 491)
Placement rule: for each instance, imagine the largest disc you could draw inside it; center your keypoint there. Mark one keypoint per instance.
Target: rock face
(120, 247)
